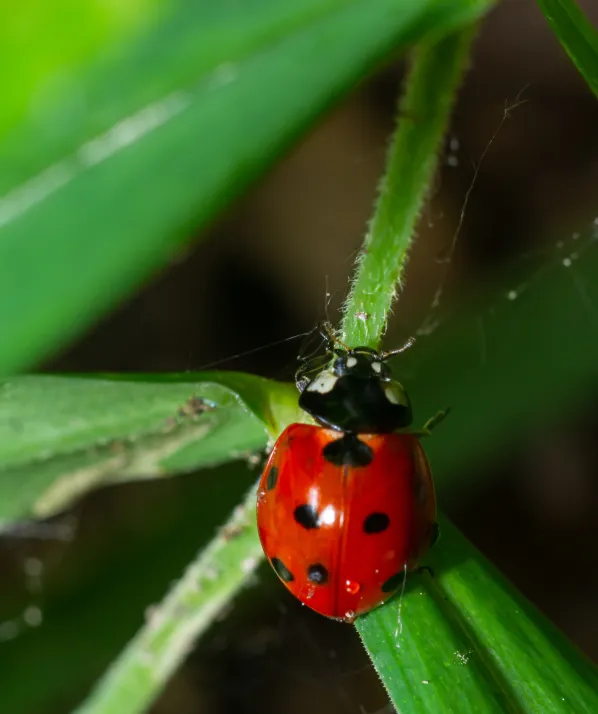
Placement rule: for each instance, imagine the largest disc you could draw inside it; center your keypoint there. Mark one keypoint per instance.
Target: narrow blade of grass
(576, 34)
(465, 640)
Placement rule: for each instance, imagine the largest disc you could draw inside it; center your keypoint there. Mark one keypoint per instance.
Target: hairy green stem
(424, 113)
(171, 628)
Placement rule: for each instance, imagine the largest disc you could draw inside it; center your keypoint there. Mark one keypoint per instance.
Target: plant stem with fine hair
(424, 113)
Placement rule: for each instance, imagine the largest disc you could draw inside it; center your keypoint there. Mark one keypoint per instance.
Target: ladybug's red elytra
(347, 507)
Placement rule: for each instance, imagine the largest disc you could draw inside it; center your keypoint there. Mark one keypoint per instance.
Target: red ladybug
(346, 509)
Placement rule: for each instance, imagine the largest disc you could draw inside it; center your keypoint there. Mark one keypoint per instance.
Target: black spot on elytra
(317, 574)
(282, 571)
(348, 451)
(306, 516)
(435, 534)
(272, 478)
(393, 582)
(376, 523)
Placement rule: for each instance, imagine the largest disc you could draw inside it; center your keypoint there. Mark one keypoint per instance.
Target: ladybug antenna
(254, 350)
(385, 355)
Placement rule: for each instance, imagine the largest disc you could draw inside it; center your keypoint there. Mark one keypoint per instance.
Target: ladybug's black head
(362, 362)
(354, 392)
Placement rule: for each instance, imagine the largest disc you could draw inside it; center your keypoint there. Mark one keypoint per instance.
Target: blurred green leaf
(62, 436)
(466, 641)
(577, 36)
(517, 353)
(114, 160)
(42, 49)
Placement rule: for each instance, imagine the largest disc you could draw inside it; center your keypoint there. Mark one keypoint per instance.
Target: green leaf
(577, 36)
(465, 640)
(43, 51)
(62, 436)
(112, 162)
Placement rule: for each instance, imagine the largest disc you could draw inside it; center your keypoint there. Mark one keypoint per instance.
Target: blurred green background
(75, 589)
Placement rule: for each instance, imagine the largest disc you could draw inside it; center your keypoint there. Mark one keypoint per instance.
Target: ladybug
(346, 508)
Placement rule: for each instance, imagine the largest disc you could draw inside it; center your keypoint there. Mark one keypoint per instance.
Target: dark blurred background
(260, 275)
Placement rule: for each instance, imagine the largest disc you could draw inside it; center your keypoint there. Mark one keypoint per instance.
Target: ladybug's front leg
(432, 423)
(425, 569)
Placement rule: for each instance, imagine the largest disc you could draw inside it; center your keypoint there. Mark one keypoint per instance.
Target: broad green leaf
(465, 640)
(110, 161)
(41, 68)
(62, 436)
(577, 36)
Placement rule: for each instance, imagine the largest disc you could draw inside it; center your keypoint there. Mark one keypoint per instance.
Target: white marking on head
(377, 367)
(323, 383)
(351, 362)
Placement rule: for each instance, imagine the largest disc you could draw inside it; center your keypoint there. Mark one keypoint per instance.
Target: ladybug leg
(433, 422)
(425, 569)
(308, 368)
(435, 535)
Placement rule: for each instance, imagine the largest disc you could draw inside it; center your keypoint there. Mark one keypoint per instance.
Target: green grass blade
(154, 133)
(424, 114)
(576, 34)
(62, 436)
(465, 640)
